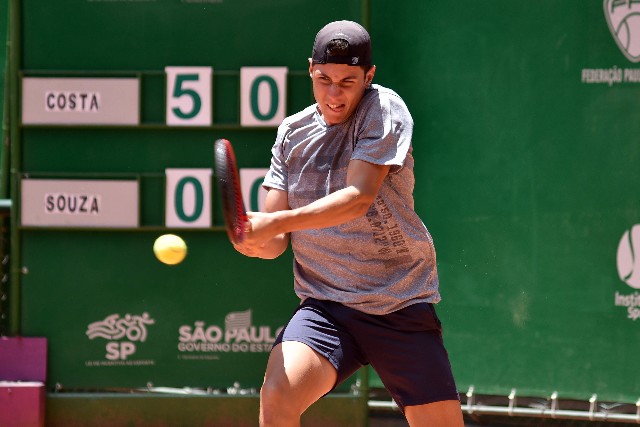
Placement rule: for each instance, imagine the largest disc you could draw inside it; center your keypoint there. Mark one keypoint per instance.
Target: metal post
(16, 155)
(593, 406)
(363, 391)
(366, 15)
(554, 404)
(512, 401)
(470, 399)
(4, 192)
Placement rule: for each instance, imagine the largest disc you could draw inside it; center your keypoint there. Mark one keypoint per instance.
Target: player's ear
(368, 77)
(310, 67)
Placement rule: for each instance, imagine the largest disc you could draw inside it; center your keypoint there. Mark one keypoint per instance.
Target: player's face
(338, 88)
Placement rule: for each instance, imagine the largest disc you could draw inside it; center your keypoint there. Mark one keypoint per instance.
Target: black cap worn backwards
(356, 51)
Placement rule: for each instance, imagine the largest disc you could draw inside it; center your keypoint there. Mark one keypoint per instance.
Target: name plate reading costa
(80, 203)
(92, 101)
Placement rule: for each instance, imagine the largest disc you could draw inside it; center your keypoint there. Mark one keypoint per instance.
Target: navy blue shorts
(404, 347)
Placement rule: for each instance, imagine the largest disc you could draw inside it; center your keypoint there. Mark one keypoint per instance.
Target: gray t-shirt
(384, 260)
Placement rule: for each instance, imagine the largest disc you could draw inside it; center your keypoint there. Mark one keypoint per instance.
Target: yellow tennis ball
(170, 249)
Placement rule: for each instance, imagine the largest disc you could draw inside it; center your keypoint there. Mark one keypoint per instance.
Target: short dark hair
(337, 47)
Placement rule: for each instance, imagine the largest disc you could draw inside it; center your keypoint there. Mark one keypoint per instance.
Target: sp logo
(121, 332)
(623, 18)
(628, 258)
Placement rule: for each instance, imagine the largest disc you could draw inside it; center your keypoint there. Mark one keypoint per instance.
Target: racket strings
(239, 217)
(233, 206)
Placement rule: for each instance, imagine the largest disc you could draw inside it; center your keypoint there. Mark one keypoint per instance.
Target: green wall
(526, 177)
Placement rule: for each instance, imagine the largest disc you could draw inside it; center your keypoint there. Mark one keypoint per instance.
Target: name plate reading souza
(80, 203)
(99, 101)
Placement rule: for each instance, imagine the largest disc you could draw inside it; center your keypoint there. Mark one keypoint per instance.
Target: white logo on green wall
(628, 261)
(238, 335)
(623, 18)
(628, 257)
(121, 334)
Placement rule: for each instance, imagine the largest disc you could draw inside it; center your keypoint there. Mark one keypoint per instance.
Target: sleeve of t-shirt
(277, 177)
(384, 128)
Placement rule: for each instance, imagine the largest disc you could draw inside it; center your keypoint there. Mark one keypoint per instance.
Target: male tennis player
(340, 188)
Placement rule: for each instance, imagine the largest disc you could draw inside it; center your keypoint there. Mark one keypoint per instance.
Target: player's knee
(276, 402)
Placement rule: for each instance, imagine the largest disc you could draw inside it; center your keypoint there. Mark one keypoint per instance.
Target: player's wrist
(280, 222)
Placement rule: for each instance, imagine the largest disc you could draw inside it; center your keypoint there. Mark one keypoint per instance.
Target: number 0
(273, 87)
(198, 199)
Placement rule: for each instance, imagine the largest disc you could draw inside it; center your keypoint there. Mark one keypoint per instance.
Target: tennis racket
(235, 216)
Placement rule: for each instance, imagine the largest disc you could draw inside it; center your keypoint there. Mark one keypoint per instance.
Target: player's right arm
(362, 184)
(277, 200)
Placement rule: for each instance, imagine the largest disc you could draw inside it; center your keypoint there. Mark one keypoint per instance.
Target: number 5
(189, 95)
(178, 91)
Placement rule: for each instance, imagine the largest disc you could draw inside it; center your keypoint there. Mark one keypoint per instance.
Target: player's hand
(260, 239)
(246, 247)
(260, 229)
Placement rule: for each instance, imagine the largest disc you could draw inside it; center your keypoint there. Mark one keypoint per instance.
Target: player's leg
(446, 413)
(406, 350)
(296, 377)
